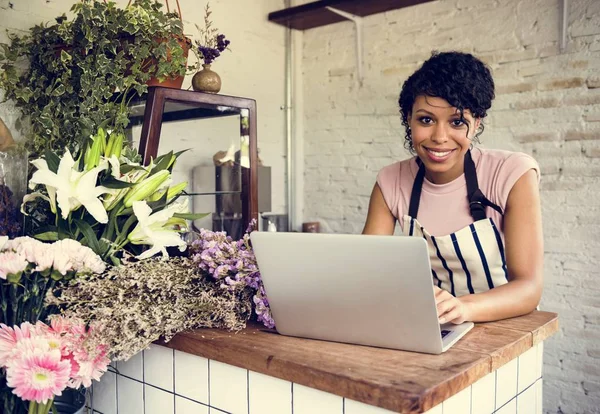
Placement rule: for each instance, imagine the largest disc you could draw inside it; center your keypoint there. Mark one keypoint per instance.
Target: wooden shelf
(315, 14)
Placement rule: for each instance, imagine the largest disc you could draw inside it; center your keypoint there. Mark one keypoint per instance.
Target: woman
(478, 209)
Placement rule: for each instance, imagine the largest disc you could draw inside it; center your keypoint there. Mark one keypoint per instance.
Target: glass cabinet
(220, 164)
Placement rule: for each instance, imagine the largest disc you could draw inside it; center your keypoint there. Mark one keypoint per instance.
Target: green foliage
(73, 76)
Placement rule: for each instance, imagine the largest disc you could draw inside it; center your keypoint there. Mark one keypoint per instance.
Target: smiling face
(440, 138)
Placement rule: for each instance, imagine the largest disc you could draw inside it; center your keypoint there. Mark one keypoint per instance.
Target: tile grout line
(471, 399)
(248, 388)
(192, 400)
(516, 395)
(144, 379)
(117, 389)
(174, 395)
(495, 389)
(518, 366)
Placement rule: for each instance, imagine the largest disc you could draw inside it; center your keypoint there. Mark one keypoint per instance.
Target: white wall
(253, 69)
(548, 105)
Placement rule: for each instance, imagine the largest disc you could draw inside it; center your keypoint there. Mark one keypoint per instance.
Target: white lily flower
(153, 229)
(72, 188)
(40, 164)
(32, 196)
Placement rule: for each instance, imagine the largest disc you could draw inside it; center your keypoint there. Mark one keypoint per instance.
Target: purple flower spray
(233, 264)
(213, 43)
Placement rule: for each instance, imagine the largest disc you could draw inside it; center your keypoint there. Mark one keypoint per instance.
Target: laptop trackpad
(452, 333)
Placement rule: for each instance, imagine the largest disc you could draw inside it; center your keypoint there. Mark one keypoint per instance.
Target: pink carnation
(39, 376)
(26, 246)
(11, 263)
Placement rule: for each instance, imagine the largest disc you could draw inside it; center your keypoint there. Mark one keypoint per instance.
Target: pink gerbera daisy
(60, 324)
(9, 338)
(39, 376)
(90, 368)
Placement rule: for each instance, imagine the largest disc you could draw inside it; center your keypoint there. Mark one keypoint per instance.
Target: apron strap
(477, 201)
(415, 195)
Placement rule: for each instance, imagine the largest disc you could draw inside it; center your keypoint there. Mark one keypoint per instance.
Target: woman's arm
(380, 219)
(524, 259)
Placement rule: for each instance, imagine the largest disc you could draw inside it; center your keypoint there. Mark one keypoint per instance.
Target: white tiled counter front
(163, 380)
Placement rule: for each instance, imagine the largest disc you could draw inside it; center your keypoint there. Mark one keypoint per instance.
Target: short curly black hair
(459, 78)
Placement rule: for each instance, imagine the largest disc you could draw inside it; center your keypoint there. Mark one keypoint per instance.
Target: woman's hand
(450, 308)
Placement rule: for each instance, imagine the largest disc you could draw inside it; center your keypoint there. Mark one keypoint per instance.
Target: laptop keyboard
(445, 332)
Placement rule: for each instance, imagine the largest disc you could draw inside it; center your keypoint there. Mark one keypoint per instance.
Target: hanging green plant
(73, 76)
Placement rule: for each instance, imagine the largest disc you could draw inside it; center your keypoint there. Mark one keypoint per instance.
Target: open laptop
(368, 290)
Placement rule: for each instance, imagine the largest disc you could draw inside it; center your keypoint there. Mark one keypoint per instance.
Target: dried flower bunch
(139, 302)
(212, 43)
(233, 264)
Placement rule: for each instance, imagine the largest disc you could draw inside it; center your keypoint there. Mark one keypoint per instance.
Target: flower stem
(14, 300)
(48, 287)
(4, 303)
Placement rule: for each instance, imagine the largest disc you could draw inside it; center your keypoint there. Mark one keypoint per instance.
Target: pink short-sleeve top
(444, 208)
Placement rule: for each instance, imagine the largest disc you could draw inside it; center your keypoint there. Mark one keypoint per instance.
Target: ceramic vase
(206, 80)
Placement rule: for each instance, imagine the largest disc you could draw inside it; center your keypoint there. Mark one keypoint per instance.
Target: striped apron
(470, 260)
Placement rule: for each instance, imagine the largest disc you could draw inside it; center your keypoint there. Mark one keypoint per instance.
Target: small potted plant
(209, 47)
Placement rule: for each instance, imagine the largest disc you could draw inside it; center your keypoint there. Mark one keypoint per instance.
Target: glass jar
(13, 187)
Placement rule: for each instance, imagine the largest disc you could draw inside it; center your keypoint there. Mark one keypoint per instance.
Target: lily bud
(171, 192)
(176, 190)
(92, 155)
(115, 145)
(146, 187)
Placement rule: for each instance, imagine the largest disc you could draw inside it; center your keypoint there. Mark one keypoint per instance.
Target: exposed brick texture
(547, 105)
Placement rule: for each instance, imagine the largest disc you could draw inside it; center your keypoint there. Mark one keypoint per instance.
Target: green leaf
(127, 225)
(47, 235)
(162, 162)
(65, 57)
(88, 234)
(113, 183)
(190, 216)
(158, 204)
(58, 91)
(52, 160)
(127, 168)
(178, 153)
(125, 212)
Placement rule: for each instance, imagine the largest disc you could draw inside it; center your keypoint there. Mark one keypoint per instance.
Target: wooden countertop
(400, 381)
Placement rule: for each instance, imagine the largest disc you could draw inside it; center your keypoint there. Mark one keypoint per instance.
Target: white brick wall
(548, 105)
